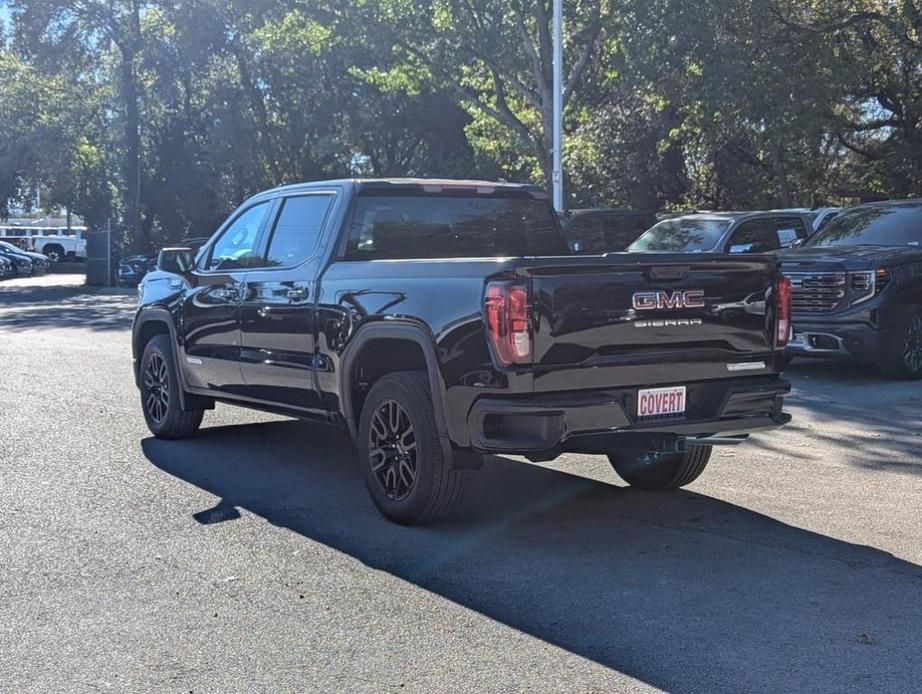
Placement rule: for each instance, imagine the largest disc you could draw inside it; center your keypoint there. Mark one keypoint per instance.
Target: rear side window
(757, 236)
(400, 227)
(297, 229)
(789, 230)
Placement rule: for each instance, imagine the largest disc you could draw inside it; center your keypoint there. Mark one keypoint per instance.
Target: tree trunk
(132, 161)
(781, 176)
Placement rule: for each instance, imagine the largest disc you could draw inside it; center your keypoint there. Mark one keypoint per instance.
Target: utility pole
(557, 172)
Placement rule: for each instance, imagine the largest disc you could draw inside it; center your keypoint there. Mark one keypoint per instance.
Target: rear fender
(397, 331)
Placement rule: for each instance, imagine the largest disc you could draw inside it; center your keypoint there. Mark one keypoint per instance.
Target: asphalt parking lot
(251, 558)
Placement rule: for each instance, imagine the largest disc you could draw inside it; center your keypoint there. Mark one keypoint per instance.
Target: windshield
(896, 225)
(681, 236)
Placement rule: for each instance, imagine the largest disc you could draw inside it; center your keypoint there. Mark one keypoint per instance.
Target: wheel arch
(415, 349)
(150, 322)
(158, 321)
(908, 297)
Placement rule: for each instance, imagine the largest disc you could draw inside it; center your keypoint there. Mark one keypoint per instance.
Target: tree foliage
(164, 114)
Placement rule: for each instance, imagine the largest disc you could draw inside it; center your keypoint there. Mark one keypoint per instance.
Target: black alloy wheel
(401, 456)
(392, 450)
(912, 344)
(161, 393)
(157, 389)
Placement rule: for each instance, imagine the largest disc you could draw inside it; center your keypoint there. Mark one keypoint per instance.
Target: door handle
(296, 294)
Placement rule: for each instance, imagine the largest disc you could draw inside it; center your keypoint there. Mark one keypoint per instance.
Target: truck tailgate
(596, 317)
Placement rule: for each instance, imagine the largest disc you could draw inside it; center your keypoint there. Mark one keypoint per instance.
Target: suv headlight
(868, 284)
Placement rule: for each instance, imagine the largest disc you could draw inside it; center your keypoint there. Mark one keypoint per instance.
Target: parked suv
(442, 320)
(725, 232)
(857, 288)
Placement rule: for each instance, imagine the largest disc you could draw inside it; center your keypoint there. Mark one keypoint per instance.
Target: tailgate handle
(666, 272)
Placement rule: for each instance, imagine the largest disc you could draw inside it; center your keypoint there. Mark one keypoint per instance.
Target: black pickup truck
(857, 288)
(442, 320)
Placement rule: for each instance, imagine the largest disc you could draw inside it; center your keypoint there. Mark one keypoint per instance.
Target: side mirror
(741, 248)
(796, 243)
(177, 261)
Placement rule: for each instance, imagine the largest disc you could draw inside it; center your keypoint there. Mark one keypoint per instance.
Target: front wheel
(657, 471)
(902, 352)
(160, 388)
(400, 454)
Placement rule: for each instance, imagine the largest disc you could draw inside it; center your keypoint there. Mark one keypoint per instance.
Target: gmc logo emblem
(660, 299)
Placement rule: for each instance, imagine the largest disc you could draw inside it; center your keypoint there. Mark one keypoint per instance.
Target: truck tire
(660, 471)
(160, 388)
(400, 454)
(54, 252)
(902, 352)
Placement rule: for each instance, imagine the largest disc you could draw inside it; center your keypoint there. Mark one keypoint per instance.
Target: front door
(211, 303)
(278, 313)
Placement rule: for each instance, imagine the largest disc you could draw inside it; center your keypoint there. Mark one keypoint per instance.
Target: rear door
(277, 311)
(599, 324)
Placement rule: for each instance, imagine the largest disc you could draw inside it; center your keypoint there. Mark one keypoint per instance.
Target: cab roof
(422, 185)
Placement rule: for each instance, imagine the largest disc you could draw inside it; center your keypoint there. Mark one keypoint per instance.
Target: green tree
(496, 57)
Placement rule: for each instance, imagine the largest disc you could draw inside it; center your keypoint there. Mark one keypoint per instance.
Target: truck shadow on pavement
(683, 591)
(36, 307)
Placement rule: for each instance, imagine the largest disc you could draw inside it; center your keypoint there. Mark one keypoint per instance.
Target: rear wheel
(658, 471)
(160, 393)
(902, 352)
(400, 453)
(55, 253)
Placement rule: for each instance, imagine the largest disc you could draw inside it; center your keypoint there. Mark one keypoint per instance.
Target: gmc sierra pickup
(443, 320)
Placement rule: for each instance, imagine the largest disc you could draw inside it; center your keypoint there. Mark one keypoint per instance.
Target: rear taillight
(508, 322)
(783, 312)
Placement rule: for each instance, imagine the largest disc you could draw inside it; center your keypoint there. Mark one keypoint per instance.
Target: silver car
(725, 232)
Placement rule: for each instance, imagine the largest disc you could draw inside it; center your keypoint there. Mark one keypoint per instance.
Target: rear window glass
(878, 225)
(388, 227)
(681, 236)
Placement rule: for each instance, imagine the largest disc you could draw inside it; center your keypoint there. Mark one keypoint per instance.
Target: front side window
(237, 246)
(297, 230)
